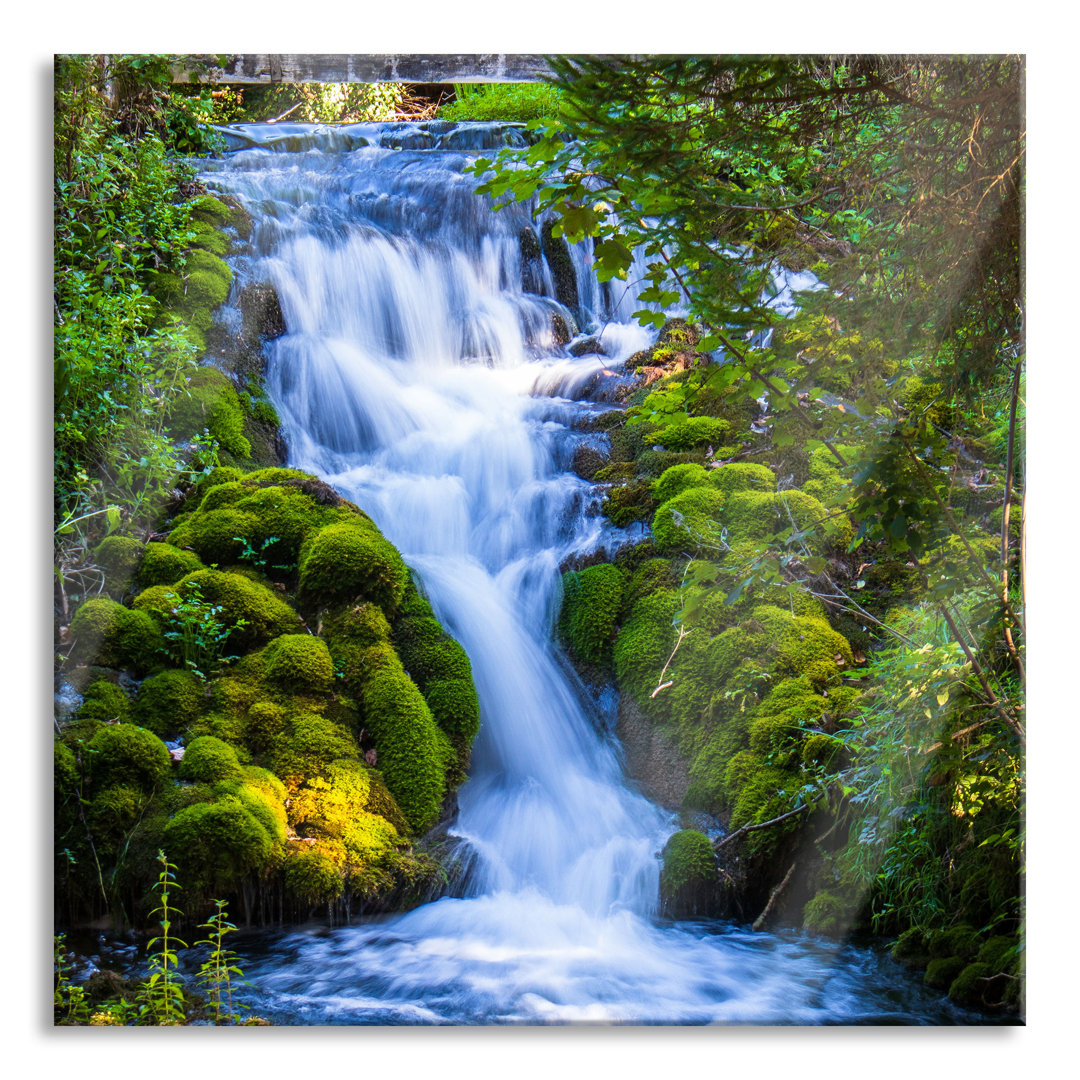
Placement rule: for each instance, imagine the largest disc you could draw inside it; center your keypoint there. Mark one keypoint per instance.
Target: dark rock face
(532, 271)
(653, 758)
(261, 311)
(589, 347)
(557, 253)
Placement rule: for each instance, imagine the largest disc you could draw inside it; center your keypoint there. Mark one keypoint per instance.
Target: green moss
(648, 577)
(285, 517)
(826, 913)
(311, 877)
(962, 941)
(973, 986)
(209, 238)
(104, 700)
(264, 613)
(910, 948)
(742, 476)
(123, 754)
(163, 564)
(208, 760)
(109, 634)
(211, 404)
(679, 478)
(998, 951)
(351, 561)
(119, 557)
(112, 813)
(692, 432)
(428, 653)
(65, 770)
(454, 707)
(300, 662)
(168, 702)
(309, 744)
(264, 725)
(689, 879)
(645, 641)
(218, 536)
(592, 599)
(940, 973)
(413, 752)
(222, 474)
(688, 521)
(216, 844)
(616, 473)
(628, 503)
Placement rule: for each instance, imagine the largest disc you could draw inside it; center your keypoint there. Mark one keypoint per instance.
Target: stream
(426, 375)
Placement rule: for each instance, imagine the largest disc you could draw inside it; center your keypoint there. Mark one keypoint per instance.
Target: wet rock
(591, 346)
(652, 755)
(588, 462)
(561, 264)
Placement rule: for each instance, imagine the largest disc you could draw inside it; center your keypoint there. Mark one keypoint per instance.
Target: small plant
(258, 558)
(196, 635)
(161, 998)
(69, 1001)
(216, 971)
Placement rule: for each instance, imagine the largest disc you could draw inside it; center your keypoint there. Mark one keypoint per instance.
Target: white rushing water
(421, 380)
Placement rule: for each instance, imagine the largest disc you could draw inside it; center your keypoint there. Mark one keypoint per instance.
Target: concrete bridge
(265, 69)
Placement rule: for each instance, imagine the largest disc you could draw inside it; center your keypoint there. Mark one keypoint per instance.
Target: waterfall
(423, 380)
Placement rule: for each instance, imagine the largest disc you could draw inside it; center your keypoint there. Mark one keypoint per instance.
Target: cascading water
(420, 379)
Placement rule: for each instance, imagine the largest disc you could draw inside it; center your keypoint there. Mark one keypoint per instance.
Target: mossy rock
(689, 878)
(688, 521)
(827, 914)
(300, 663)
(217, 844)
(974, 985)
(742, 476)
(350, 561)
(628, 503)
(941, 972)
(265, 615)
(311, 877)
(218, 536)
(168, 702)
(264, 724)
(693, 432)
(998, 951)
(126, 755)
(208, 760)
(910, 948)
(209, 238)
(111, 635)
(211, 404)
(679, 478)
(454, 707)
(104, 700)
(413, 752)
(645, 641)
(962, 941)
(119, 557)
(164, 564)
(592, 600)
(309, 744)
(428, 653)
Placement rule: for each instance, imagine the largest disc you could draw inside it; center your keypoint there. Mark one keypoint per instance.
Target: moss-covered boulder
(211, 404)
(350, 561)
(123, 754)
(119, 558)
(105, 632)
(301, 663)
(168, 702)
(592, 600)
(689, 520)
(164, 564)
(689, 879)
(208, 760)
